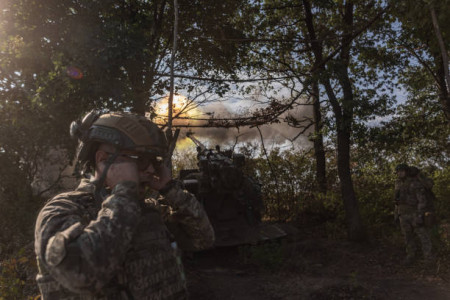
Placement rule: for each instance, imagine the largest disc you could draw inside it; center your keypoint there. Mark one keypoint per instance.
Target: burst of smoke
(277, 133)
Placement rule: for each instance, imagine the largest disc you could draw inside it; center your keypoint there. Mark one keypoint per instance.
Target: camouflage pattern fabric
(412, 205)
(411, 192)
(118, 249)
(186, 218)
(409, 229)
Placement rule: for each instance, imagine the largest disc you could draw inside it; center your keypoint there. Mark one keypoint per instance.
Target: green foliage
(11, 286)
(415, 135)
(183, 160)
(374, 185)
(418, 45)
(287, 178)
(375, 189)
(290, 192)
(27, 134)
(441, 189)
(17, 276)
(118, 47)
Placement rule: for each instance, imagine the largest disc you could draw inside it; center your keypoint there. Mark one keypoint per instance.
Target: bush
(17, 276)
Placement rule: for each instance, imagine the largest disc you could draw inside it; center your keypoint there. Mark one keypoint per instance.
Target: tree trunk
(356, 230)
(444, 96)
(355, 226)
(140, 106)
(318, 138)
(442, 70)
(343, 114)
(319, 150)
(442, 48)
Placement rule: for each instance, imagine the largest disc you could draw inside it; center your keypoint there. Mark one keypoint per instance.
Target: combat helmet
(123, 130)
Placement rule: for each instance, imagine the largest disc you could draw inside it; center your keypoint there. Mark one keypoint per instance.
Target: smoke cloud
(273, 134)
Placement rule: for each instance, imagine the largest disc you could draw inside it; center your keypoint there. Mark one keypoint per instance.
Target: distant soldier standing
(411, 205)
(108, 239)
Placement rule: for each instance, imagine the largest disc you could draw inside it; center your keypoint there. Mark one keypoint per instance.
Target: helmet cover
(125, 131)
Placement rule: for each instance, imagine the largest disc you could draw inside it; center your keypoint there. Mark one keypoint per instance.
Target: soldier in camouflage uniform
(106, 240)
(411, 205)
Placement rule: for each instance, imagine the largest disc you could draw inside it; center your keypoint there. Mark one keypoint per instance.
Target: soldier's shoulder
(72, 196)
(60, 207)
(70, 199)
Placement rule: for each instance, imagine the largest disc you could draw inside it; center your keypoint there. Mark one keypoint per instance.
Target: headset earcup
(75, 132)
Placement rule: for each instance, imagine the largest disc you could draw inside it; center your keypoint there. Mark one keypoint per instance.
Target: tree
(319, 149)
(121, 48)
(424, 42)
(343, 111)
(334, 43)
(417, 134)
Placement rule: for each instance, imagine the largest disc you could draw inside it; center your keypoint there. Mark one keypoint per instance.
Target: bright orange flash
(180, 112)
(179, 104)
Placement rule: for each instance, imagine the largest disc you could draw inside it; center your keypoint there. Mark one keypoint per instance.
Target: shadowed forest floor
(306, 266)
(316, 268)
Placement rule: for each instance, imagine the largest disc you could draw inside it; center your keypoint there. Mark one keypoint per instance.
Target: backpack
(427, 184)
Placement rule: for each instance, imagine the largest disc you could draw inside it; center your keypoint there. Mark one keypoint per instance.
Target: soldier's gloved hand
(160, 177)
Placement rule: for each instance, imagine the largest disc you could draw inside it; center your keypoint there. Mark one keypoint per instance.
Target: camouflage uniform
(412, 204)
(120, 248)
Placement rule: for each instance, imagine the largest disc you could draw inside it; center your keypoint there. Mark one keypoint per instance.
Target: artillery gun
(232, 200)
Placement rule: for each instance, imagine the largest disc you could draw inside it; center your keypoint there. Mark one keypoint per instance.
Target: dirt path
(314, 269)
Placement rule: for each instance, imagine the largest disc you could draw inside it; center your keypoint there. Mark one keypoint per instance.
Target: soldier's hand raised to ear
(161, 176)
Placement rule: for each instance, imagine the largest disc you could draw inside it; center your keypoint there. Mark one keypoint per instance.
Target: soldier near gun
(413, 209)
(105, 240)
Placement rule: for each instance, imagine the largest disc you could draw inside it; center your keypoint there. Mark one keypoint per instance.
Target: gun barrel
(196, 142)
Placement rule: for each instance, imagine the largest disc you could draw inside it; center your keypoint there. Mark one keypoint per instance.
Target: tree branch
(222, 80)
(442, 47)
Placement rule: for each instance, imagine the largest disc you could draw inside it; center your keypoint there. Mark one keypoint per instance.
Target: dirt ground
(314, 268)
(308, 266)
